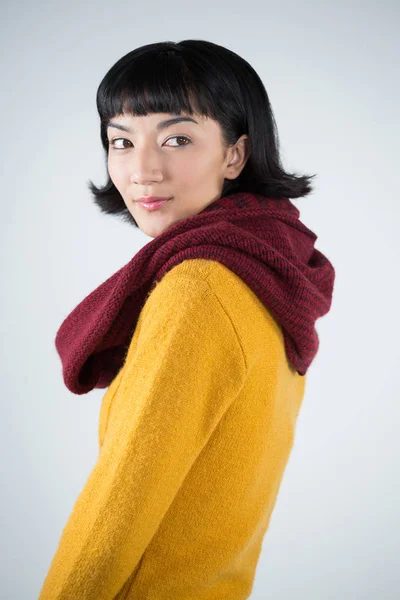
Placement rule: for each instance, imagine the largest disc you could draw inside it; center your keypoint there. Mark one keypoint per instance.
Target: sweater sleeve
(179, 379)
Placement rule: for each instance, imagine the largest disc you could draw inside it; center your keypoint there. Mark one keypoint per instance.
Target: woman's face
(185, 161)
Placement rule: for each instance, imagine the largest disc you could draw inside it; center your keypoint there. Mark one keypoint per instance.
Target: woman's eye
(118, 140)
(180, 137)
(175, 137)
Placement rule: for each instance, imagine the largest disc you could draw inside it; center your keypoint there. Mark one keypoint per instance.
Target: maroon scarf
(260, 239)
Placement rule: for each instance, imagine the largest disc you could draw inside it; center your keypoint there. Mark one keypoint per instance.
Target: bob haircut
(197, 76)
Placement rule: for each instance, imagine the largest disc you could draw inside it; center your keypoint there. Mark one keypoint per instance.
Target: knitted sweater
(195, 432)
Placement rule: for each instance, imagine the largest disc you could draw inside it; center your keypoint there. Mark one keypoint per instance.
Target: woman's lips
(153, 205)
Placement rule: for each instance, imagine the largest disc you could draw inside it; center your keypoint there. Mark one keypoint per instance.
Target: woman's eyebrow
(160, 125)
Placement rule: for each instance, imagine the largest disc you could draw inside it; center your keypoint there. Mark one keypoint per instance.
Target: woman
(203, 339)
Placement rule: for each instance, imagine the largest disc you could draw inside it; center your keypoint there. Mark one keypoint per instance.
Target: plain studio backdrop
(331, 72)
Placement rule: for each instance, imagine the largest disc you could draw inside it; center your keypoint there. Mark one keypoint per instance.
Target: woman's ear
(237, 157)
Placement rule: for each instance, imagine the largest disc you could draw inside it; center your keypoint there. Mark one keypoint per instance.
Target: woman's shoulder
(183, 311)
(210, 283)
(211, 271)
(191, 282)
(200, 275)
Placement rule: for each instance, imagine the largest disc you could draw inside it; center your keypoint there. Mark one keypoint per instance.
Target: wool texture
(195, 432)
(260, 239)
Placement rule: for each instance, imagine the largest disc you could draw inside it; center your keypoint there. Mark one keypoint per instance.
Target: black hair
(208, 79)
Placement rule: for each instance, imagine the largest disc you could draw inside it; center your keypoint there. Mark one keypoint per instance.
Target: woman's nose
(146, 167)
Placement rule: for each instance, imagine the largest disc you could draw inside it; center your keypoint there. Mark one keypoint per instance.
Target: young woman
(203, 339)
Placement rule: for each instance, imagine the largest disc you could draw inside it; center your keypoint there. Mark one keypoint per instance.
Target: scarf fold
(260, 239)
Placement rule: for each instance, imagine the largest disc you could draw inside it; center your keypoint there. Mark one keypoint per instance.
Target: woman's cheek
(115, 174)
(186, 168)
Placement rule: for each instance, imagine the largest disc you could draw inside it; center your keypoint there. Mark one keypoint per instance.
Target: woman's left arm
(185, 371)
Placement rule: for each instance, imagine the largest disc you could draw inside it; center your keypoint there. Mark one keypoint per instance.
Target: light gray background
(331, 72)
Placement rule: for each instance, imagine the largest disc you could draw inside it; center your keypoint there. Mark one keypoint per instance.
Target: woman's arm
(184, 373)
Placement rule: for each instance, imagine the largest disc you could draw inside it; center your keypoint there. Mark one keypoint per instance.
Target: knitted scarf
(260, 239)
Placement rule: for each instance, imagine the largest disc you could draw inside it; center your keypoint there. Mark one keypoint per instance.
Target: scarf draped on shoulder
(260, 239)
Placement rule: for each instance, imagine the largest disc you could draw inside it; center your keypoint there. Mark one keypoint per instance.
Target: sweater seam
(205, 280)
(232, 324)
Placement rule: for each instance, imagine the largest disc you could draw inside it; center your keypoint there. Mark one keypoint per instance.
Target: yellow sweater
(195, 433)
